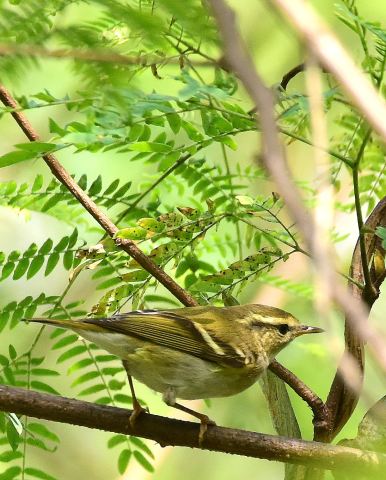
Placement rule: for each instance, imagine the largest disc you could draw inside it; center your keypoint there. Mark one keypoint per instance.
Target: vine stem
(358, 210)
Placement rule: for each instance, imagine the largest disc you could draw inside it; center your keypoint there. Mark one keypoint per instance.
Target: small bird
(192, 353)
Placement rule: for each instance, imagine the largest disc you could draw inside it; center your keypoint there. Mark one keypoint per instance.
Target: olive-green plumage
(196, 352)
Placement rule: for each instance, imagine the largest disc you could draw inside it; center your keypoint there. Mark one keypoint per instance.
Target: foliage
(197, 215)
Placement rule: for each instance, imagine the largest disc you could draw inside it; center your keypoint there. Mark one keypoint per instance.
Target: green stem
(247, 222)
(167, 172)
(358, 210)
(345, 160)
(255, 272)
(228, 170)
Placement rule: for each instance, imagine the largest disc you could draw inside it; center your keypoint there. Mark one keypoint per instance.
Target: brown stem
(291, 74)
(65, 178)
(167, 431)
(321, 415)
(342, 400)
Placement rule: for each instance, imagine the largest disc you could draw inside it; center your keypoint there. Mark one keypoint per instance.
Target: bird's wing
(175, 331)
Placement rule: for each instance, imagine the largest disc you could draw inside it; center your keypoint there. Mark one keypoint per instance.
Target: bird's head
(273, 328)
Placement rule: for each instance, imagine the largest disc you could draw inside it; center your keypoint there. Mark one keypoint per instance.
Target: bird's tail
(56, 322)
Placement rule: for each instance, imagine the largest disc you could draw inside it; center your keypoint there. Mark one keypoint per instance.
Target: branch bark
(180, 433)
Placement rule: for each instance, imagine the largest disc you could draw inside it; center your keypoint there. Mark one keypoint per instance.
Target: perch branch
(180, 433)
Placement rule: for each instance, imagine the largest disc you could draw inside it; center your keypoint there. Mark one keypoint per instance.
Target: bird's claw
(137, 411)
(205, 422)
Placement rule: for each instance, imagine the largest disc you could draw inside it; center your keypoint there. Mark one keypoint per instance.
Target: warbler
(192, 353)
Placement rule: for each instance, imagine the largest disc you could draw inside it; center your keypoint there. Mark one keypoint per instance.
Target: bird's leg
(137, 409)
(170, 399)
(204, 419)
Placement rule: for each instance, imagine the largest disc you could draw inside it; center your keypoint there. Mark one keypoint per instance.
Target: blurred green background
(83, 453)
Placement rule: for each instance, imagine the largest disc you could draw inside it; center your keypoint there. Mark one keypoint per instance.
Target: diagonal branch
(180, 433)
(321, 419)
(65, 178)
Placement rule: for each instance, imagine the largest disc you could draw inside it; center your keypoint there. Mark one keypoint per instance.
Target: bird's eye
(283, 328)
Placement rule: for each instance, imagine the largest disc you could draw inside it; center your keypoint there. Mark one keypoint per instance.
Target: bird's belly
(162, 368)
(189, 377)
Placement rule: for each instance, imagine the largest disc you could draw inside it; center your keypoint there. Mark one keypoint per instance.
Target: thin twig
(321, 414)
(144, 194)
(291, 74)
(91, 55)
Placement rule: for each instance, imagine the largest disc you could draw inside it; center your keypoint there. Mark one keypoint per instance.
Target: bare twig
(291, 74)
(65, 178)
(321, 416)
(180, 433)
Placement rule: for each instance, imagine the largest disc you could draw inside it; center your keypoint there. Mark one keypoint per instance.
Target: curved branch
(341, 400)
(180, 433)
(291, 74)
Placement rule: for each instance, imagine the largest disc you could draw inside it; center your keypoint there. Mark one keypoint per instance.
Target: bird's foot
(137, 411)
(205, 422)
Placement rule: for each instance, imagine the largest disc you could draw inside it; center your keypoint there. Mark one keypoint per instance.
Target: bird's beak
(303, 329)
